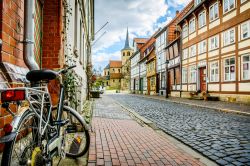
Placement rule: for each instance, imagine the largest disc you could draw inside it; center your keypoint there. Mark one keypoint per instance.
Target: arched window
(128, 53)
(124, 54)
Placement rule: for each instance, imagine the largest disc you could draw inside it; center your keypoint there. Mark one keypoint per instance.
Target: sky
(142, 17)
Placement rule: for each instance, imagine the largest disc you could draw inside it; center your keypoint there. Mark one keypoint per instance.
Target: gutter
(28, 42)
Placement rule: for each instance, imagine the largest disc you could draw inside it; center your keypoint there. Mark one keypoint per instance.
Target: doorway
(203, 76)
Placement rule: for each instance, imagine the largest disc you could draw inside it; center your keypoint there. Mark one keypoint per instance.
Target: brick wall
(52, 56)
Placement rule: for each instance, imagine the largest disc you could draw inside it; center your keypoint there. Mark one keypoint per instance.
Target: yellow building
(113, 73)
(151, 71)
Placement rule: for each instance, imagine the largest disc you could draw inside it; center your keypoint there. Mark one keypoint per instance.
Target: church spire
(126, 46)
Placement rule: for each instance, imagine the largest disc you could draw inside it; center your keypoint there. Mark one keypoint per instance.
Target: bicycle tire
(86, 142)
(7, 158)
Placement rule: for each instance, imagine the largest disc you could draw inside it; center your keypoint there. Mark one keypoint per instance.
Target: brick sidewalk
(217, 105)
(118, 141)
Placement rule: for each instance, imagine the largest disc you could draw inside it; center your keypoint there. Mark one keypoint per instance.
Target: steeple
(126, 46)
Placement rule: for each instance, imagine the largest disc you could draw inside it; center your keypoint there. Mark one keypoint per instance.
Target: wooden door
(203, 75)
(148, 85)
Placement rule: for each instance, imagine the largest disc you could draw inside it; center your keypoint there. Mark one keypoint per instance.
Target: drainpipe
(29, 58)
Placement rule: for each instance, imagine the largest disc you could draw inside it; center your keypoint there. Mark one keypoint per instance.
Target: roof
(191, 11)
(188, 6)
(115, 64)
(126, 46)
(115, 75)
(140, 40)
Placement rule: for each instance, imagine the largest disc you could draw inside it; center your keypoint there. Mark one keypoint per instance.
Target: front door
(203, 76)
(148, 85)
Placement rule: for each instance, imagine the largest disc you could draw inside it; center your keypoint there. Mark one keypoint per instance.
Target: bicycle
(40, 131)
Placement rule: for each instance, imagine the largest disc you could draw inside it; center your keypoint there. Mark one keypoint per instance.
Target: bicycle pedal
(60, 123)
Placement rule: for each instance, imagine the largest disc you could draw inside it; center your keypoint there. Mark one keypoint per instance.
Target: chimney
(177, 12)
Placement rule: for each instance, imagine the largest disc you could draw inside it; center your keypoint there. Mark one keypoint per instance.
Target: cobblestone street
(117, 139)
(223, 137)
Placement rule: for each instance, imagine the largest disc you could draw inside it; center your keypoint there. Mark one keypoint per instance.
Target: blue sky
(142, 17)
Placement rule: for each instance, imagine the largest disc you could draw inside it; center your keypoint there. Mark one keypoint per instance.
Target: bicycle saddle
(41, 75)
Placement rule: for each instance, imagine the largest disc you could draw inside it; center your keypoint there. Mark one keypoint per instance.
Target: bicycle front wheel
(77, 138)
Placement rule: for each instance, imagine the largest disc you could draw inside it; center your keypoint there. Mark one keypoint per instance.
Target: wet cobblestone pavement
(223, 137)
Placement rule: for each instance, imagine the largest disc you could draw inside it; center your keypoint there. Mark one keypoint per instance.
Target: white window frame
(229, 37)
(231, 77)
(193, 74)
(228, 6)
(185, 53)
(185, 31)
(213, 12)
(202, 19)
(192, 51)
(192, 28)
(214, 67)
(202, 47)
(213, 46)
(184, 75)
(247, 23)
(242, 67)
(196, 2)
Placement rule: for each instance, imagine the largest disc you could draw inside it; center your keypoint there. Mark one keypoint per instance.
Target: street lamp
(167, 62)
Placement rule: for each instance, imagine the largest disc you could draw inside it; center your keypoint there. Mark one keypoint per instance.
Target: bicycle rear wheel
(25, 148)
(77, 137)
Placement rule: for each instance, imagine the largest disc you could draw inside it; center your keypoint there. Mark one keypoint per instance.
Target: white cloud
(101, 59)
(138, 15)
(175, 3)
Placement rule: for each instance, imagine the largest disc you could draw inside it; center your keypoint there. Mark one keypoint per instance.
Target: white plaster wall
(214, 24)
(245, 7)
(244, 87)
(213, 87)
(244, 43)
(228, 49)
(202, 56)
(213, 53)
(202, 30)
(193, 35)
(228, 87)
(229, 16)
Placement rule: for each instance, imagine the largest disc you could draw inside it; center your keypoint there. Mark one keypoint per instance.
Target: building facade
(113, 74)
(216, 49)
(152, 79)
(36, 34)
(135, 58)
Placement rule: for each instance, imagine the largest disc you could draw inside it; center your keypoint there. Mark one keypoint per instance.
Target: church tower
(127, 51)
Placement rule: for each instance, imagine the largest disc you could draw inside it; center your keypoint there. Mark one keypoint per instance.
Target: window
(192, 74)
(191, 25)
(185, 54)
(229, 37)
(119, 70)
(214, 71)
(196, 2)
(213, 12)
(192, 50)
(214, 42)
(185, 31)
(245, 30)
(124, 54)
(184, 75)
(229, 69)
(202, 19)
(202, 46)
(128, 53)
(246, 67)
(228, 5)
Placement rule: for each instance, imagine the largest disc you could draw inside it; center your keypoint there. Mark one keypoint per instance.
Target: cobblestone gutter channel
(222, 137)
